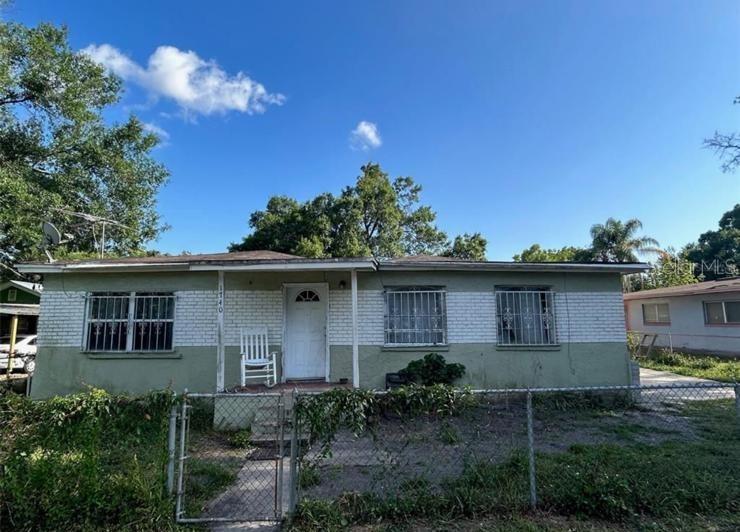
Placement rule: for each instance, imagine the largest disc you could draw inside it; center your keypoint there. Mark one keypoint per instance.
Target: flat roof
(721, 286)
(257, 261)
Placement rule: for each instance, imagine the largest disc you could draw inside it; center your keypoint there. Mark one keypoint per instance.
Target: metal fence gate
(230, 453)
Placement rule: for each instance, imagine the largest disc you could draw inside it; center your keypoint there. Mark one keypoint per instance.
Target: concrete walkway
(254, 527)
(650, 377)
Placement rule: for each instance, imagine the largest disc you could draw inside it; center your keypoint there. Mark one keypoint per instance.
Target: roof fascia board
(542, 267)
(635, 296)
(303, 266)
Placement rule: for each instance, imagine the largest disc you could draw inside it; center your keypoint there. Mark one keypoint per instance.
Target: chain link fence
(231, 449)
(262, 457)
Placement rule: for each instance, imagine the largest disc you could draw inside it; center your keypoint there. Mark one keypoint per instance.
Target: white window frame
(724, 313)
(431, 296)
(645, 321)
(131, 320)
(543, 332)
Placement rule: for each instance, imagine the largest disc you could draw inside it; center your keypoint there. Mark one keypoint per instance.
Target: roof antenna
(93, 219)
(52, 237)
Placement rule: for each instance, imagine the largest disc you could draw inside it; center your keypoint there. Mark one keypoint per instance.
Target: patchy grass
(205, 479)
(90, 461)
(675, 485)
(546, 522)
(702, 366)
(448, 434)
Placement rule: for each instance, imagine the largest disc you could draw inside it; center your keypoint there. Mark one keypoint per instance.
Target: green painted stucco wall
(63, 370)
(453, 281)
(487, 366)
(66, 370)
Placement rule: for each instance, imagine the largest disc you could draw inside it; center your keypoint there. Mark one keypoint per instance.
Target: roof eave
(364, 265)
(514, 266)
(649, 294)
(368, 265)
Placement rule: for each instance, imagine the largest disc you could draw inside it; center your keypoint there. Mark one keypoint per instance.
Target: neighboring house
(143, 323)
(700, 317)
(19, 301)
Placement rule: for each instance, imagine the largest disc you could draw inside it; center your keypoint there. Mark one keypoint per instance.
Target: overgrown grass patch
(702, 366)
(85, 461)
(672, 485)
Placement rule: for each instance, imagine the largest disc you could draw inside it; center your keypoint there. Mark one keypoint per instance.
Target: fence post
(171, 439)
(293, 456)
(530, 444)
(279, 458)
(181, 467)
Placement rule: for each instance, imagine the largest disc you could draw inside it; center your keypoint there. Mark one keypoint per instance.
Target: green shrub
(308, 476)
(85, 461)
(241, 439)
(432, 369)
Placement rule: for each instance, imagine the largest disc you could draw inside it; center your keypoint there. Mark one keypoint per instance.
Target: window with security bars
(415, 316)
(118, 322)
(525, 317)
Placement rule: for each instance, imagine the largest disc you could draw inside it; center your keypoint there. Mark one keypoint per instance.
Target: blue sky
(526, 121)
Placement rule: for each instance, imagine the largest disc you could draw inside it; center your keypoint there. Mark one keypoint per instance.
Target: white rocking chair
(257, 361)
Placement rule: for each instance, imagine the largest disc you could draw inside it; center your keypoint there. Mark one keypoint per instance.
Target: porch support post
(220, 352)
(355, 342)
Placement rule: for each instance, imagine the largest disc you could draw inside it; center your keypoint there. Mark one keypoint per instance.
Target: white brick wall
(61, 319)
(471, 317)
(340, 317)
(590, 317)
(587, 317)
(370, 312)
(196, 318)
(251, 308)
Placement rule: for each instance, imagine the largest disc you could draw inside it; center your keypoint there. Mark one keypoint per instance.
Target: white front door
(305, 332)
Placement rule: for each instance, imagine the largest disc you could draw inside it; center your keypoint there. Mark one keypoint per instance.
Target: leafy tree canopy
(717, 253)
(613, 241)
(669, 270)
(617, 241)
(468, 247)
(58, 156)
(376, 217)
(535, 253)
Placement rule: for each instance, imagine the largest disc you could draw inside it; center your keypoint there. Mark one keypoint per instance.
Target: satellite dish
(52, 236)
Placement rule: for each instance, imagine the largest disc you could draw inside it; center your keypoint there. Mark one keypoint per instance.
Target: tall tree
(58, 156)
(726, 146)
(468, 247)
(535, 253)
(669, 270)
(376, 216)
(617, 241)
(717, 253)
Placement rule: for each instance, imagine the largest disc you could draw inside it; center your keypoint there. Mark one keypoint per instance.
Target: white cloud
(365, 136)
(196, 85)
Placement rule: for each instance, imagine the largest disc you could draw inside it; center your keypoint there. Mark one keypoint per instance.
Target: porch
(304, 322)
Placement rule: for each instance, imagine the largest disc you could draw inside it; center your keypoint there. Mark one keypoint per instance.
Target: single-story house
(701, 317)
(19, 303)
(137, 324)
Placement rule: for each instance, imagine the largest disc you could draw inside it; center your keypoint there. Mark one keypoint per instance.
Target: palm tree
(615, 241)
